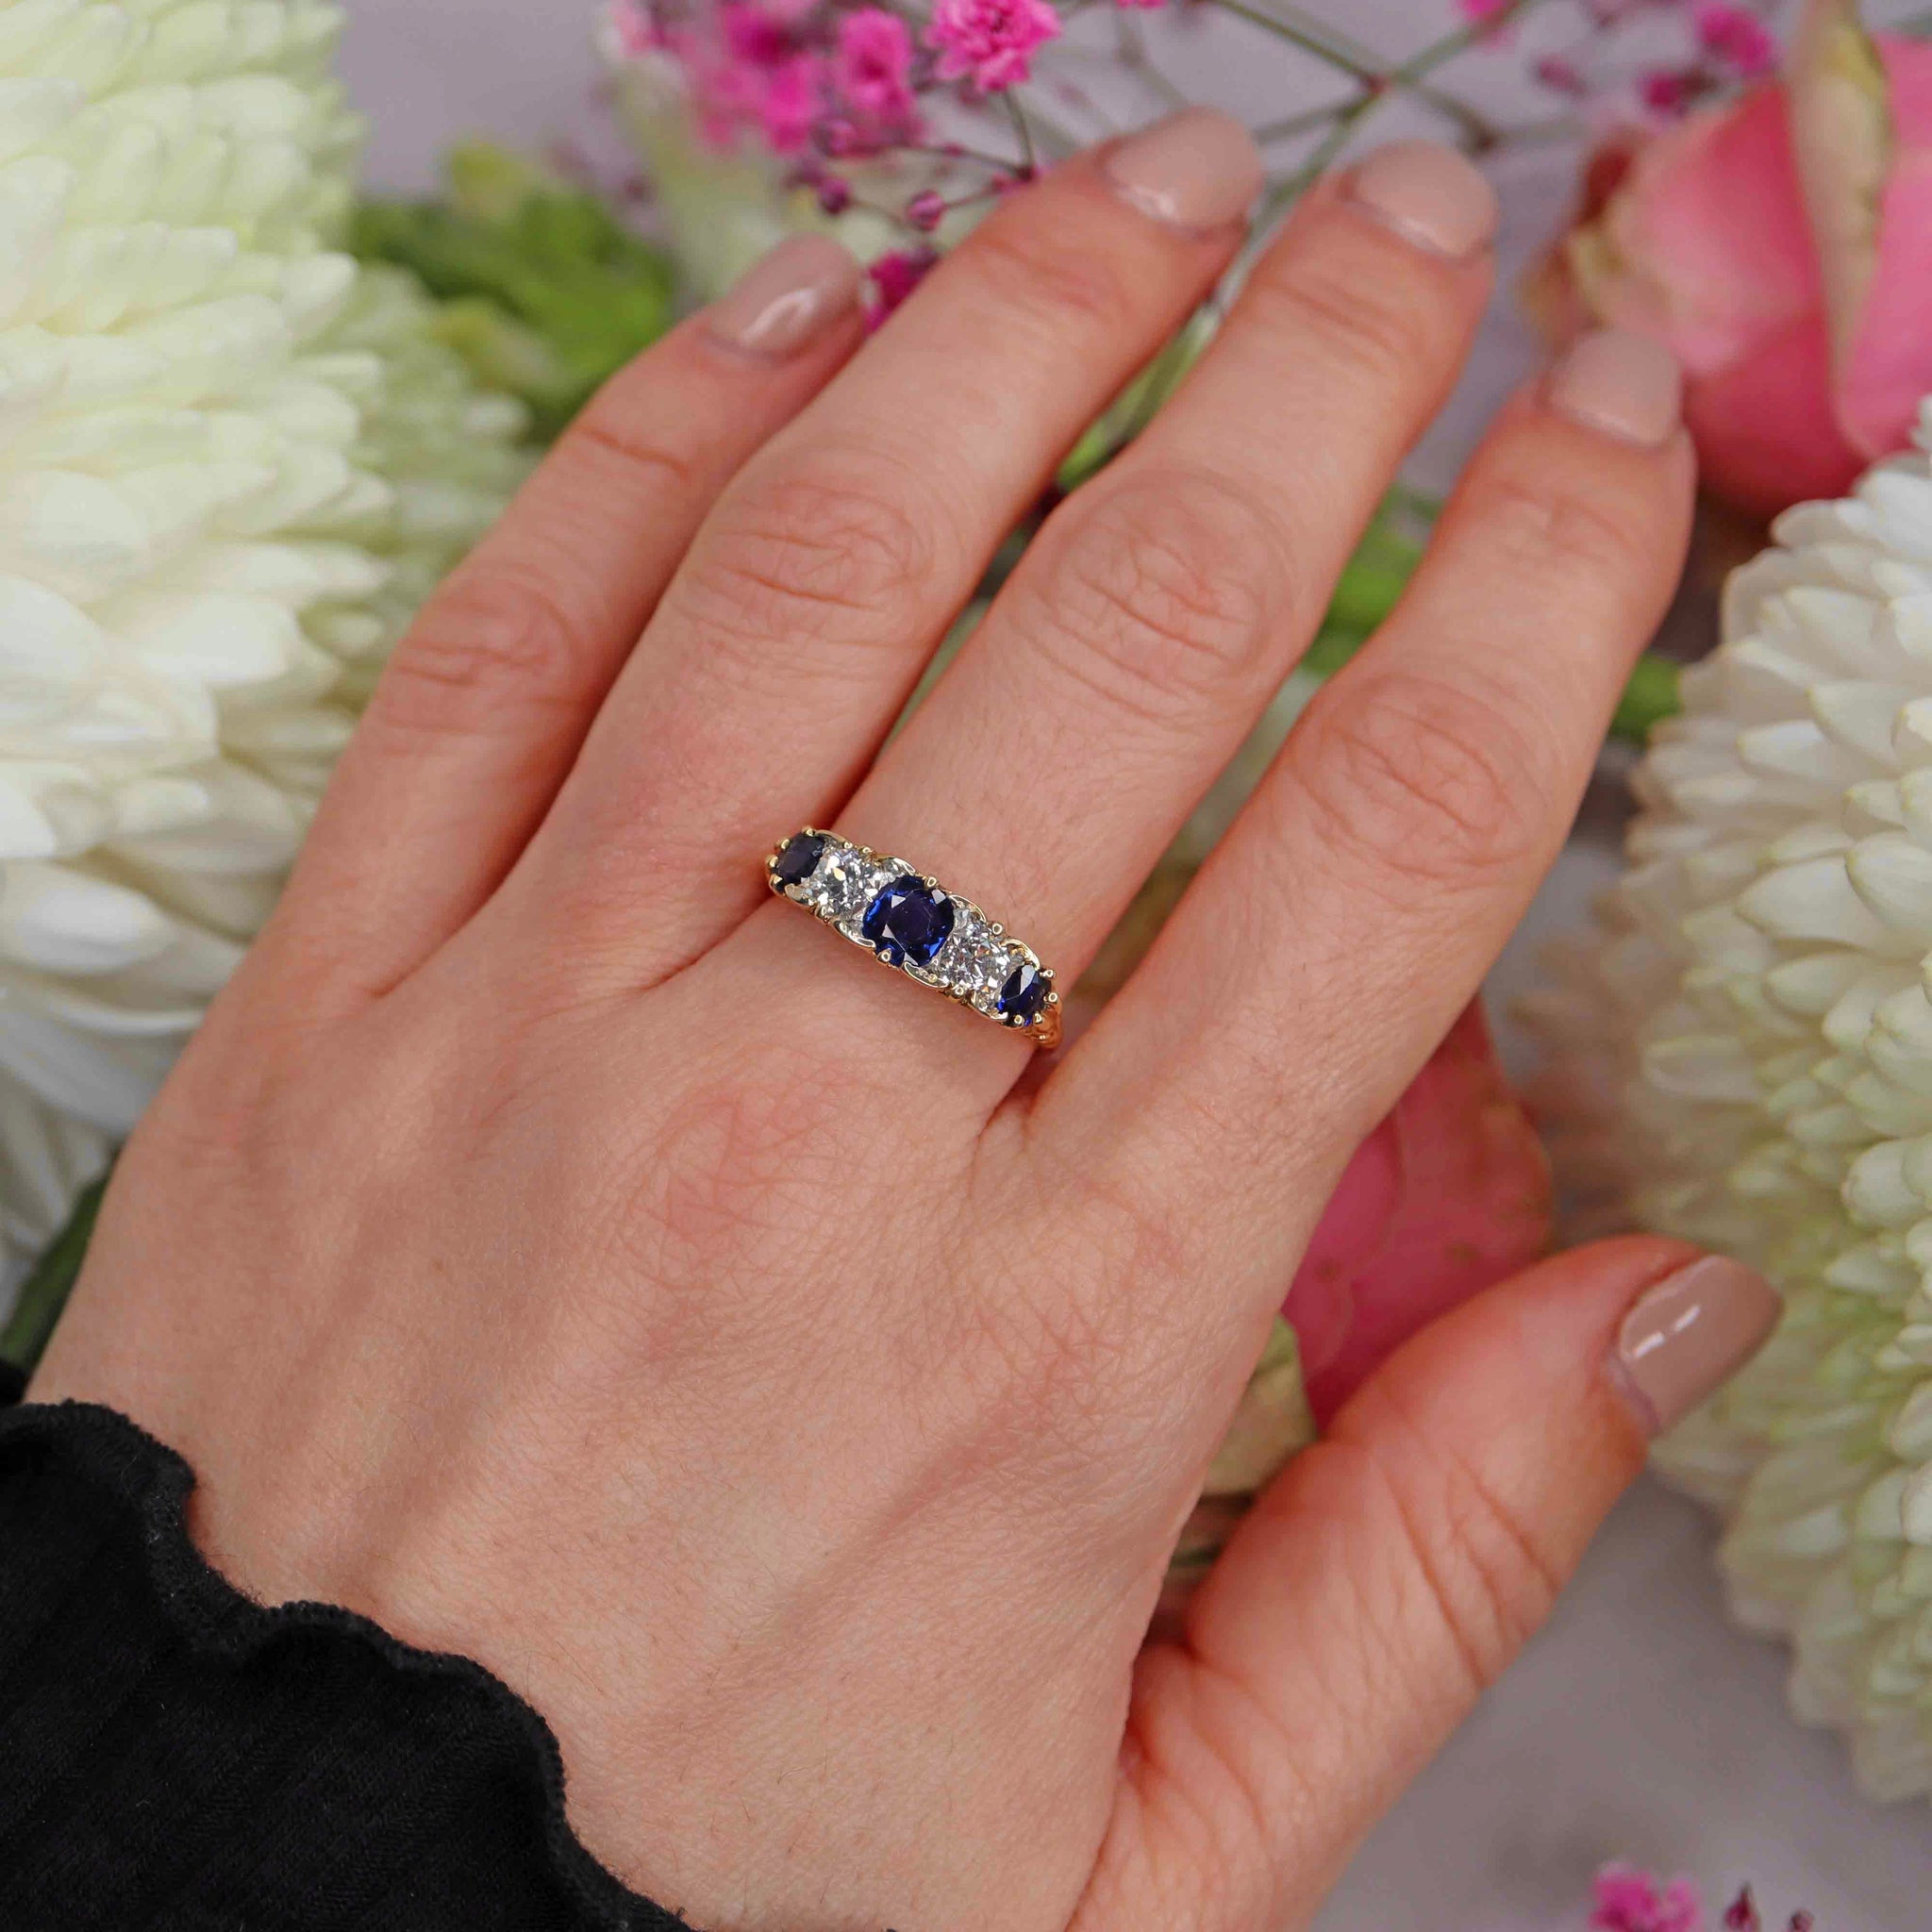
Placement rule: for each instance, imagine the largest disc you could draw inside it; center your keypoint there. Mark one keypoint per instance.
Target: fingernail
(1624, 384)
(1429, 194)
(1199, 168)
(1689, 1334)
(787, 298)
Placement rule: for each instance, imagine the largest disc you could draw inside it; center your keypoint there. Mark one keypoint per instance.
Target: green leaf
(44, 1292)
(1653, 695)
(548, 293)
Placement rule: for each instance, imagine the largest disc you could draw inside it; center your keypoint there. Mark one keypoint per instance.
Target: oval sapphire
(1023, 995)
(800, 858)
(908, 919)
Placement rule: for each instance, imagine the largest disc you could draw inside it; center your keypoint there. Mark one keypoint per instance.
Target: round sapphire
(1023, 995)
(800, 858)
(908, 921)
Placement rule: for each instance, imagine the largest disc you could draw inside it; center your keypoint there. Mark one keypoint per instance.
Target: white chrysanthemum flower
(231, 464)
(1744, 1059)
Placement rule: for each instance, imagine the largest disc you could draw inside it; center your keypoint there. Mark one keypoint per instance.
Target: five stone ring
(903, 917)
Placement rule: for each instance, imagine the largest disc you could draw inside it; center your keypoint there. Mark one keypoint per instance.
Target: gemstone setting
(798, 858)
(1023, 994)
(908, 922)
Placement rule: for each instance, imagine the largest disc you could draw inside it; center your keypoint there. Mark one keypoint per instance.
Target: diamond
(907, 921)
(976, 961)
(845, 883)
(799, 859)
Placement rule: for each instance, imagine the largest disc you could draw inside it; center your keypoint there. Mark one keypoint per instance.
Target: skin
(565, 1253)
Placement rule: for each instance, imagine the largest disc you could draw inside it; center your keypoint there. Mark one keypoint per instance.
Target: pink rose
(1448, 1196)
(1777, 245)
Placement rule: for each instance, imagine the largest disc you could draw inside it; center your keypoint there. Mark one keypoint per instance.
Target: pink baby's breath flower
(637, 32)
(756, 76)
(990, 43)
(1669, 90)
(1481, 12)
(1737, 37)
(790, 104)
(895, 276)
(1561, 77)
(926, 209)
(754, 35)
(1632, 1901)
(873, 72)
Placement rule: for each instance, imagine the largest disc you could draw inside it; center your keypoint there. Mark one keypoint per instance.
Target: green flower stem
(1653, 695)
(1131, 41)
(1307, 36)
(44, 1292)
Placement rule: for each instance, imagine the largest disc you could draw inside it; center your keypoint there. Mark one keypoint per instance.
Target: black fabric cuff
(176, 1757)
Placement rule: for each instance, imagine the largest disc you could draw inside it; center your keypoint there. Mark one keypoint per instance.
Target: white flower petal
(231, 464)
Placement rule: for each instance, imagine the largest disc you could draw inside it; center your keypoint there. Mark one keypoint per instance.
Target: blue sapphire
(799, 859)
(908, 921)
(1023, 995)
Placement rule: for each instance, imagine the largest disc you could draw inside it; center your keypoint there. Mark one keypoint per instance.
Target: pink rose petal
(1448, 1196)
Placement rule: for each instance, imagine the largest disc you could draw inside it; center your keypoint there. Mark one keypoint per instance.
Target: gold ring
(905, 919)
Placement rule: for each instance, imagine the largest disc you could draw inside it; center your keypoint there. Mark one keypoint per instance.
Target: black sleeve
(175, 1758)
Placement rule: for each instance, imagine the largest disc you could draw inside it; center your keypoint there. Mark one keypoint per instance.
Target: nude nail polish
(1197, 170)
(1685, 1338)
(1620, 383)
(1429, 194)
(786, 299)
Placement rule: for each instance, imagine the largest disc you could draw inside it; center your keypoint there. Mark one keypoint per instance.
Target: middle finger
(1163, 605)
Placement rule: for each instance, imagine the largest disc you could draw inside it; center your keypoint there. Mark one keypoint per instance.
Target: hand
(566, 1254)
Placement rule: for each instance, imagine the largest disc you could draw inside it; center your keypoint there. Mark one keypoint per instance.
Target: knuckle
(1035, 278)
(1567, 535)
(1163, 587)
(1364, 327)
(615, 429)
(1431, 783)
(491, 645)
(817, 547)
(1488, 1578)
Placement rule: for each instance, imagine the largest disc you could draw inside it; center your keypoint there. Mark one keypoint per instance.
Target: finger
(1392, 1571)
(1163, 605)
(1350, 914)
(815, 594)
(484, 707)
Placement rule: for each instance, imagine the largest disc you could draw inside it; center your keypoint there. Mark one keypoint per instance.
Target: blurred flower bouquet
(253, 418)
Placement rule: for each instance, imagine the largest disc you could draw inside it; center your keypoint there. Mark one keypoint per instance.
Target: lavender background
(1639, 1724)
